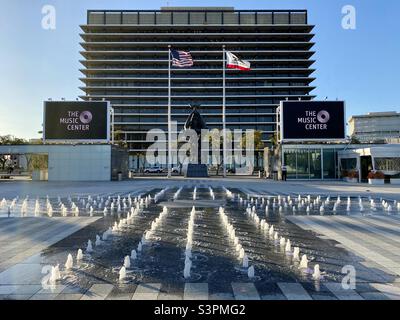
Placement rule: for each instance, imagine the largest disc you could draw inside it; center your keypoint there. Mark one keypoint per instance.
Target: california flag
(234, 62)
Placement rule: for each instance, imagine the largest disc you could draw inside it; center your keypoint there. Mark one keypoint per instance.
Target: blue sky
(360, 66)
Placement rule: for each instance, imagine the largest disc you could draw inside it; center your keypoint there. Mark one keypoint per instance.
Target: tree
(216, 139)
(11, 140)
(258, 142)
(119, 139)
(354, 140)
(275, 139)
(37, 161)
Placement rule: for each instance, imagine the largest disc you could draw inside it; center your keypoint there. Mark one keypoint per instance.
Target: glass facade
(125, 61)
(311, 163)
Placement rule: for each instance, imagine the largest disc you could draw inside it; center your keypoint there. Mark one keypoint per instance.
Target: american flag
(181, 59)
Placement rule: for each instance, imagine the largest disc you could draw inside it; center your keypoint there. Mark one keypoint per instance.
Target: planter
(395, 181)
(376, 182)
(351, 180)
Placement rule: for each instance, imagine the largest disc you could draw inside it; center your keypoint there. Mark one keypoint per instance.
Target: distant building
(376, 127)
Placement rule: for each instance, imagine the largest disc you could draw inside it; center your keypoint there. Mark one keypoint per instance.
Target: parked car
(175, 170)
(153, 170)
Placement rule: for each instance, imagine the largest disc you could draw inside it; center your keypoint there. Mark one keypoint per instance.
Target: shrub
(376, 175)
(353, 174)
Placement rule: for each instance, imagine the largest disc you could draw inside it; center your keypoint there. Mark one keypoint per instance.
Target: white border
(281, 138)
(73, 141)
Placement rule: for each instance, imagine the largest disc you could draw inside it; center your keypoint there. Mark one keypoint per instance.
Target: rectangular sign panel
(76, 121)
(312, 120)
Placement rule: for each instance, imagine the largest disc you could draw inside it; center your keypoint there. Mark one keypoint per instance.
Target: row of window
(208, 93)
(185, 73)
(195, 17)
(163, 119)
(141, 137)
(210, 101)
(145, 128)
(209, 85)
(184, 110)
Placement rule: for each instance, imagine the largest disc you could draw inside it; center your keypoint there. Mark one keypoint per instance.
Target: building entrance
(366, 167)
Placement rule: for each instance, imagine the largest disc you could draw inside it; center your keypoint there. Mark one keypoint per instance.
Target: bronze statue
(195, 121)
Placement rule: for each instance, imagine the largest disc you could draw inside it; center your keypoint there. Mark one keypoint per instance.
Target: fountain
(271, 231)
(282, 242)
(245, 261)
(229, 194)
(296, 253)
(133, 254)
(49, 210)
(69, 263)
(98, 241)
(55, 274)
(303, 262)
(79, 256)
(251, 272)
(140, 247)
(186, 270)
(89, 248)
(24, 208)
(317, 273)
(212, 195)
(37, 208)
(127, 262)
(288, 247)
(177, 193)
(122, 274)
(241, 253)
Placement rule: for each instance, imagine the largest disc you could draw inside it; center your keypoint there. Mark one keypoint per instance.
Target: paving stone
(374, 296)
(69, 296)
(273, 297)
(245, 291)
(44, 296)
(196, 291)
(98, 291)
(120, 296)
(148, 291)
(294, 291)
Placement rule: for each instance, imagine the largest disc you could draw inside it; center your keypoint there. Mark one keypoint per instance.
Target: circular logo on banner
(86, 117)
(323, 116)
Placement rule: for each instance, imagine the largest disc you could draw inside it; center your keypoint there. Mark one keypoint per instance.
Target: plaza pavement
(375, 239)
(11, 189)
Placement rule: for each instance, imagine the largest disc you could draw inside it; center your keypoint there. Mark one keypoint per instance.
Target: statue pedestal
(197, 171)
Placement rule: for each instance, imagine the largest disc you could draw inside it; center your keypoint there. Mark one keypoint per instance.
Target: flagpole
(169, 114)
(224, 110)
